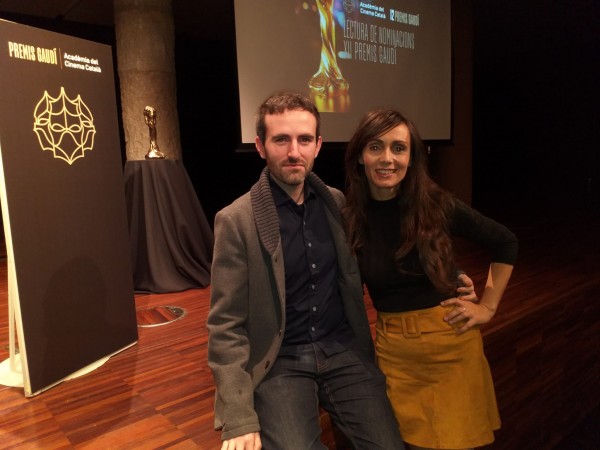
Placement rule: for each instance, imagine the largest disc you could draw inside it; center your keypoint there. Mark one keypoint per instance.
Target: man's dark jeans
(349, 386)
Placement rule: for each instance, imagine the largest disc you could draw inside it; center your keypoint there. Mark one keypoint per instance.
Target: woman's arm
(503, 246)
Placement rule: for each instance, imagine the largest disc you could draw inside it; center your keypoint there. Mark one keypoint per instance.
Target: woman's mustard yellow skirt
(439, 382)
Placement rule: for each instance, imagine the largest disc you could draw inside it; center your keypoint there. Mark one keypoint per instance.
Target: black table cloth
(171, 239)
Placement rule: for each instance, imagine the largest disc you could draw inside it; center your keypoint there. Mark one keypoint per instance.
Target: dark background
(535, 100)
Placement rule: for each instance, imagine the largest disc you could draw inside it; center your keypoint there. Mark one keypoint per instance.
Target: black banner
(65, 216)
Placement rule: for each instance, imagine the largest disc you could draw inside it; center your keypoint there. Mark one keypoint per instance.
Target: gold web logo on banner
(64, 126)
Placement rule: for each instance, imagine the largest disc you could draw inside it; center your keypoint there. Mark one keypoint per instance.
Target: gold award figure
(328, 80)
(150, 118)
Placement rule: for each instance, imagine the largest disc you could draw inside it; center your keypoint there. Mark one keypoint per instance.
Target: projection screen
(348, 56)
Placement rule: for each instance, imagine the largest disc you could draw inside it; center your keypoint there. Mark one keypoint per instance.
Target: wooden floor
(159, 393)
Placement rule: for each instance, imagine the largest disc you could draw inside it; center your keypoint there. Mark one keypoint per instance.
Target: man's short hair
(281, 102)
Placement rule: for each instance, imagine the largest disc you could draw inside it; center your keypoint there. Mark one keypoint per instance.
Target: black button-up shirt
(314, 310)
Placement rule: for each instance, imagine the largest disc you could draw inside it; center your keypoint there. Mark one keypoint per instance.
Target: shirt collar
(280, 196)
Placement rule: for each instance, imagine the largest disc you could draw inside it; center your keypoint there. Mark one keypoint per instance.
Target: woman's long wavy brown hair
(425, 206)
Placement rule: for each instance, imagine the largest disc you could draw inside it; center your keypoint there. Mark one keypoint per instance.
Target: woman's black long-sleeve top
(392, 291)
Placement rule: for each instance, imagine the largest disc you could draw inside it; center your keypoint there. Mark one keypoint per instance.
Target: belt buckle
(410, 326)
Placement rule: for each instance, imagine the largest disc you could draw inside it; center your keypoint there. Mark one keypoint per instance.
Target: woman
(400, 225)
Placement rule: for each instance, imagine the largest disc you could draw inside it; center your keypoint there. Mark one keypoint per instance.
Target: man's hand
(466, 289)
(250, 441)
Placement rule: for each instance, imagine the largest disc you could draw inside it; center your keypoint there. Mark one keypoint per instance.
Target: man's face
(290, 146)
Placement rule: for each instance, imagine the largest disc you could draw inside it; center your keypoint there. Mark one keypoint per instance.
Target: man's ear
(260, 148)
(318, 147)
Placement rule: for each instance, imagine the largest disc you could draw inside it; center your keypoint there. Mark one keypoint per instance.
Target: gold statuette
(328, 80)
(150, 117)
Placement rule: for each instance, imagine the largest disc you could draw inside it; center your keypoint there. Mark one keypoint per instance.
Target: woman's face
(385, 160)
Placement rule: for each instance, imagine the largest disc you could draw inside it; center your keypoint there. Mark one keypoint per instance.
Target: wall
(536, 104)
(451, 165)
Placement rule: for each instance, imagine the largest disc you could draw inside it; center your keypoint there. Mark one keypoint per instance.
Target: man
(288, 331)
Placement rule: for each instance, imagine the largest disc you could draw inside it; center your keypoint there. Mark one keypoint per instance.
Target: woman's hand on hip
(465, 314)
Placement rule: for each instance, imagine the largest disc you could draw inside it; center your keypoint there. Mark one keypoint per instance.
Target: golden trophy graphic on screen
(150, 118)
(329, 79)
(64, 126)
